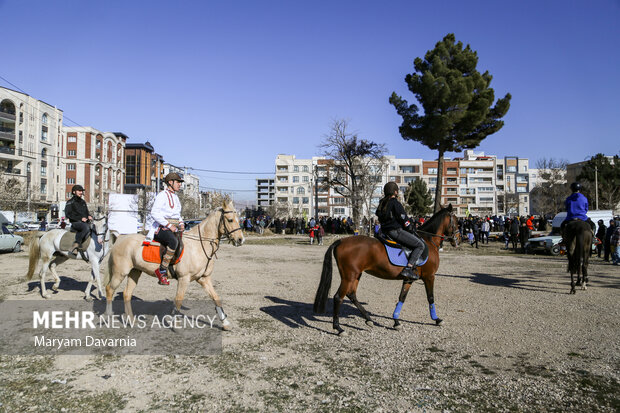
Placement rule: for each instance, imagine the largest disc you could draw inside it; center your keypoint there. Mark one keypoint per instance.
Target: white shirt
(166, 206)
(486, 226)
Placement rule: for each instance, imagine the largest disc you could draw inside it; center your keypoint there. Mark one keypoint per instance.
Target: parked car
(55, 224)
(551, 243)
(10, 241)
(191, 223)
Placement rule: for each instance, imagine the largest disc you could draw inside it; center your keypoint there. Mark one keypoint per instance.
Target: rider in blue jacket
(576, 206)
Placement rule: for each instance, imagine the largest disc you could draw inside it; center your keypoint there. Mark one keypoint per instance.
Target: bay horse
(357, 254)
(578, 244)
(200, 245)
(47, 251)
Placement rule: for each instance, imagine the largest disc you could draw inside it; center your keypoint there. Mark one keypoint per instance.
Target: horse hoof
(55, 288)
(398, 327)
(438, 322)
(46, 295)
(88, 298)
(572, 291)
(342, 333)
(227, 327)
(369, 323)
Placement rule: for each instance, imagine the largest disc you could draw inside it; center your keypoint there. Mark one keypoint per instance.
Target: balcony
(7, 133)
(7, 150)
(5, 114)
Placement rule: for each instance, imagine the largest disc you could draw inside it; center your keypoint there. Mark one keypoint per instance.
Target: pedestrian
(514, 232)
(486, 229)
(524, 234)
(476, 230)
(43, 225)
(615, 246)
(600, 234)
(63, 223)
(320, 234)
(607, 242)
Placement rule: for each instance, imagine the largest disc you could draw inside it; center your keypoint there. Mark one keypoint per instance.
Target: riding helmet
(390, 188)
(173, 176)
(575, 186)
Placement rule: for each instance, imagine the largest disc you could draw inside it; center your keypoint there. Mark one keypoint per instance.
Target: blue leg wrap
(399, 306)
(431, 307)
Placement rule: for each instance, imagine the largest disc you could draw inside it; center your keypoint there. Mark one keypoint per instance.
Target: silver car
(10, 241)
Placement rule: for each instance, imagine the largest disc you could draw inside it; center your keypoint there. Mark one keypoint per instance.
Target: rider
(166, 220)
(394, 221)
(576, 206)
(77, 212)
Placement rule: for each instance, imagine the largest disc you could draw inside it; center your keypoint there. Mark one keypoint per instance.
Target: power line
(230, 172)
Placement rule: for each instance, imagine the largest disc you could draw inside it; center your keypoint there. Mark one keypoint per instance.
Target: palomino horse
(357, 254)
(578, 243)
(200, 243)
(47, 251)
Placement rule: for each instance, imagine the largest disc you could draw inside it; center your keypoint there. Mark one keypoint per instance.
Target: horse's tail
(34, 256)
(320, 300)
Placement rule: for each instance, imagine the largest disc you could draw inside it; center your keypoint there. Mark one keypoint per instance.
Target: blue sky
(229, 85)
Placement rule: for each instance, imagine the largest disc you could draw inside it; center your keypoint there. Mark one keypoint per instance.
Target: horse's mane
(432, 225)
(194, 229)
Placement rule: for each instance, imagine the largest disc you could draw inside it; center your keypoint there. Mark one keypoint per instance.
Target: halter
(453, 229)
(215, 241)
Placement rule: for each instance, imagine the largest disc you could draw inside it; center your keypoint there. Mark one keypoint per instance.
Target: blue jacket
(576, 206)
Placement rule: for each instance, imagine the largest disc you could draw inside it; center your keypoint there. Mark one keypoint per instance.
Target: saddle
(398, 254)
(154, 252)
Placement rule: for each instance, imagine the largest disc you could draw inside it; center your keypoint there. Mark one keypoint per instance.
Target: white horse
(47, 251)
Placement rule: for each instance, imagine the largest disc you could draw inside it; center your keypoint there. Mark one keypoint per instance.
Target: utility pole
(596, 185)
(316, 193)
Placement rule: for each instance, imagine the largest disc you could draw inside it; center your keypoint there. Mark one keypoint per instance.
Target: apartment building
(30, 149)
(265, 192)
(95, 160)
(143, 168)
(476, 184)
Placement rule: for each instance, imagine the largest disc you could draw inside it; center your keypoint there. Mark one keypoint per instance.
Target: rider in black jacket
(394, 221)
(77, 212)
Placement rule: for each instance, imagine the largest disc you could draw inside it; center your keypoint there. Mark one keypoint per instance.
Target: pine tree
(456, 101)
(418, 199)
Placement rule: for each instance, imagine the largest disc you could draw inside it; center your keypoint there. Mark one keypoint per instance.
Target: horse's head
(100, 226)
(229, 224)
(451, 227)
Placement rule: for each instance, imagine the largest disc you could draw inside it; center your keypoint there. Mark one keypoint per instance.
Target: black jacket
(393, 217)
(76, 209)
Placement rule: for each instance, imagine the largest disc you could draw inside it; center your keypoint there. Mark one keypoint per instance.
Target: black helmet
(390, 188)
(77, 188)
(575, 187)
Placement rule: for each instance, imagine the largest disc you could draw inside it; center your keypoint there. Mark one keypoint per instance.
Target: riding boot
(162, 271)
(410, 273)
(74, 250)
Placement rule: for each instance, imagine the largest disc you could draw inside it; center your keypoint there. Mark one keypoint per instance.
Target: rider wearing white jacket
(165, 219)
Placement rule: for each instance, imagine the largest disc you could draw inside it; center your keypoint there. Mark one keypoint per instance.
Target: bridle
(454, 231)
(215, 242)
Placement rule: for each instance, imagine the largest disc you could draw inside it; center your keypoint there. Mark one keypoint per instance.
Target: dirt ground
(512, 339)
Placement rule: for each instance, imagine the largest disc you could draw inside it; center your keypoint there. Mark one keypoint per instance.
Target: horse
(47, 250)
(357, 254)
(578, 244)
(201, 243)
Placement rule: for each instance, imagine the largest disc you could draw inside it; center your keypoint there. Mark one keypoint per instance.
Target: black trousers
(409, 240)
(166, 238)
(82, 229)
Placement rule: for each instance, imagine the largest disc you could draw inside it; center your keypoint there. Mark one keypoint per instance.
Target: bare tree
(548, 196)
(355, 161)
(13, 193)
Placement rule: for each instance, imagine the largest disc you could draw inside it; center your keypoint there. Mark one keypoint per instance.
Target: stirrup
(161, 276)
(410, 274)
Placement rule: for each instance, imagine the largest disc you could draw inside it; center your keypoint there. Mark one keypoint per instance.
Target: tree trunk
(439, 181)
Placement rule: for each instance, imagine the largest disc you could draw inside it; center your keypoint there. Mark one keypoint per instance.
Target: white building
(30, 148)
(265, 192)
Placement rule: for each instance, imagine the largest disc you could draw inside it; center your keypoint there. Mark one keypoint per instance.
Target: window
(70, 181)
(283, 179)
(301, 190)
(44, 118)
(305, 168)
(295, 199)
(44, 133)
(432, 171)
(525, 199)
(306, 178)
(464, 181)
(339, 211)
(524, 168)
(305, 200)
(71, 152)
(70, 167)
(463, 171)
(339, 201)
(71, 139)
(43, 153)
(295, 179)
(452, 171)
(512, 169)
(43, 187)
(521, 189)
(451, 181)
(43, 170)
(282, 189)
(296, 168)
(432, 181)
(411, 179)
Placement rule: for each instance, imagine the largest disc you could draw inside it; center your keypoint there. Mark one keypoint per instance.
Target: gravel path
(512, 339)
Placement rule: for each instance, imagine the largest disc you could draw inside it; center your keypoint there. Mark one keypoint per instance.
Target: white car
(10, 241)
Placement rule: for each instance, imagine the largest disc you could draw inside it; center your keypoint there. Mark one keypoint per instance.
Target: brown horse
(200, 245)
(578, 244)
(357, 254)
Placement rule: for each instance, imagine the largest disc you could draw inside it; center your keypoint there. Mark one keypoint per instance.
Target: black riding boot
(410, 273)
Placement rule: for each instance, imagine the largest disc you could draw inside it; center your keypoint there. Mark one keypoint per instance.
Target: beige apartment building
(30, 149)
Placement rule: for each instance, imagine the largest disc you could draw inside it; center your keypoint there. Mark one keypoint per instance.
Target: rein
(443, 237)
(213, 241)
